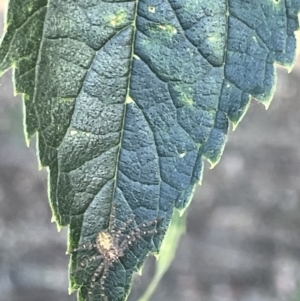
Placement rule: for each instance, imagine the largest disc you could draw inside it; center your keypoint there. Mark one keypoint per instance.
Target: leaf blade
(128, 98)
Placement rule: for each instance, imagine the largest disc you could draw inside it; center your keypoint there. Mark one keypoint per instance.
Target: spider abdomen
(107, 247)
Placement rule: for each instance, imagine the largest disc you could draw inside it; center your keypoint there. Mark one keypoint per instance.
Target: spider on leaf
(110, 245)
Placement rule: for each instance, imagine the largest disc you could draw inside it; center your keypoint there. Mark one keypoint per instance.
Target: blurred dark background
(243, 230)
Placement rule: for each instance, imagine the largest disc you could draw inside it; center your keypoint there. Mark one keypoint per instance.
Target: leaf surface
(128, 97)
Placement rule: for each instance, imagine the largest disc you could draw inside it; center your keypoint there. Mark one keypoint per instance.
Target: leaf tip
(213, 161)
(53, 219)
(58, 227)
(213, 164)
(267, 104)
(71, 290)
(140, 271)
(27, 139)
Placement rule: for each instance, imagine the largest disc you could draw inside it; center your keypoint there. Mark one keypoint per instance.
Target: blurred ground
(243, 233)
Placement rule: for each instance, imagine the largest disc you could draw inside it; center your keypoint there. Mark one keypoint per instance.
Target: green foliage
(128, 98)
(167, 252)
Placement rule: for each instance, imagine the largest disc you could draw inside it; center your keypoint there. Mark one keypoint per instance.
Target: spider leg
(94, 277)
(149, 223)
(138, 233)
(102, 281)
(83, 264)
(85, 246)
(123, 228)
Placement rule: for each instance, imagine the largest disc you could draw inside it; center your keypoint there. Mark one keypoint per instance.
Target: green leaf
(20, 49)
(127, 99)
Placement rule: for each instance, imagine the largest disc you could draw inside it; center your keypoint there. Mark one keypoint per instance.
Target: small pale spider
(111, 244)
